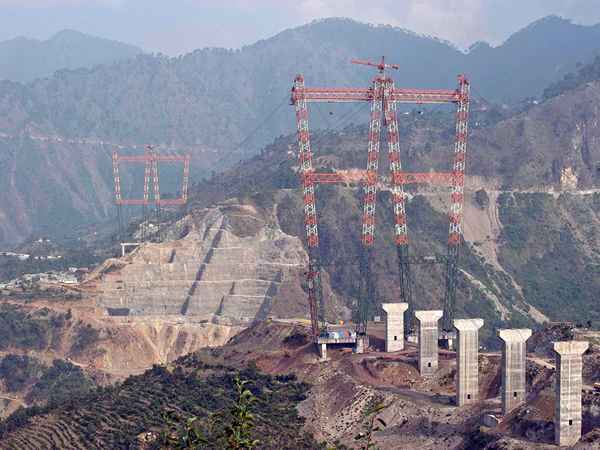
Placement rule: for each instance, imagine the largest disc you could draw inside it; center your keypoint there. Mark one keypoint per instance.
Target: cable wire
(261, 124)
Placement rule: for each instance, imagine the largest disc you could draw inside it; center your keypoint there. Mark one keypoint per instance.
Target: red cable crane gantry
(151, 159)
(384, 97)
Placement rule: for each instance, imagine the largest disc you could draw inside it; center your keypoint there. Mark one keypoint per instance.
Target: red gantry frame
(384, 97)
(151, 160)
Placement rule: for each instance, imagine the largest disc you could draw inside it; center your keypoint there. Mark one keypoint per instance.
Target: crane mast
(383, 97)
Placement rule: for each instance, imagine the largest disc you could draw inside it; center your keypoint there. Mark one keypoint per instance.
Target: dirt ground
(421, 413)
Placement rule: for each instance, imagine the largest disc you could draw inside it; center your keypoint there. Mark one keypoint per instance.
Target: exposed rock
(231, 265)
(568, 179)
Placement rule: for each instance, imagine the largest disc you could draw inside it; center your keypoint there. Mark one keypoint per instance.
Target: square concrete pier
(394, 325)
(567, 415)
(428, 341)
(514, 352)
(467, 352)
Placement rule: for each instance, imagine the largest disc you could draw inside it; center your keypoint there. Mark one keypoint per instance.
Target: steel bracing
(151, 159)
(383, 96)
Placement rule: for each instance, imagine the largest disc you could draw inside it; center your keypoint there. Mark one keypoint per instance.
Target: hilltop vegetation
(586, 73)
(23, 330)
(18, 371)
(42, 384)
(43, 329)
(224, 105)
(60, 382)
(114, 417)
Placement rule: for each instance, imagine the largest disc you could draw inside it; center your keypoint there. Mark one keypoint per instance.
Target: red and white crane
(383, 97)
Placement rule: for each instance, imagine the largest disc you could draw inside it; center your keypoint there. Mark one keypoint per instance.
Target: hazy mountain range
(24, 59)
(56, 133)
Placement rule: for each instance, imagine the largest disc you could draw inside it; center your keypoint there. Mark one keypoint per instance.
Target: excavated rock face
(231, 264)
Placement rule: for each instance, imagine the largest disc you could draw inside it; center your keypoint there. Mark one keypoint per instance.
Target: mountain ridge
(220, 105)
(24, 59)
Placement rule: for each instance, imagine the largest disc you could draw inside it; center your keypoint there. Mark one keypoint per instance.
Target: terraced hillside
(229, 263)
(420, 412)
(114, 417)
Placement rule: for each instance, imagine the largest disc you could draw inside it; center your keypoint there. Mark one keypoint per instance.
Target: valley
(419, 413)
(225, 319)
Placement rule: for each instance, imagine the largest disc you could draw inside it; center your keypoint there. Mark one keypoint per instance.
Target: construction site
(233, 269)
(402, 322)
(248, 280)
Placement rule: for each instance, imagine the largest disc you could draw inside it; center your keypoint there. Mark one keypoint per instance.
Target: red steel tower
(384, 97)
(151, 160)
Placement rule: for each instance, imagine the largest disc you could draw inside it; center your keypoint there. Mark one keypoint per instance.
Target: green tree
(230, 429)
(238, 432)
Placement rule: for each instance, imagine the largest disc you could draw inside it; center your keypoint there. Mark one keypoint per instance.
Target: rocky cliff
(231, 263)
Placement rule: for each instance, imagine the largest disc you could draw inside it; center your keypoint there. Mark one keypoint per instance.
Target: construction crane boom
(381, 66)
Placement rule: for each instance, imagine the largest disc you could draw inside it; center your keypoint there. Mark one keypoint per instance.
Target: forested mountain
(216, 96)
(532, 209)
(23, 59)
(532, 58)
(56, 134)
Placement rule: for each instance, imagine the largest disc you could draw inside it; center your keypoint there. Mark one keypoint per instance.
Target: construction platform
(330, 340)
(341, 336)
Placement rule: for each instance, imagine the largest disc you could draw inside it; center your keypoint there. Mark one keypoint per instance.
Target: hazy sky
(179, 26)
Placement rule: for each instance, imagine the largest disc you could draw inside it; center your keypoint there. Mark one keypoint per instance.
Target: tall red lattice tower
(384, 97)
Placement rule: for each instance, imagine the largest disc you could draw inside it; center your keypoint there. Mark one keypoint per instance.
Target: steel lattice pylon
(151, 160)
(384, 97)
(457, 202)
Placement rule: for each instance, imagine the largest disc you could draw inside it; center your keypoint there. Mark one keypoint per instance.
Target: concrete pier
(428, 341)
(322, 351)
(514, 386)
(467, 351)
(394, 325)
(567, 415)
(362, 342)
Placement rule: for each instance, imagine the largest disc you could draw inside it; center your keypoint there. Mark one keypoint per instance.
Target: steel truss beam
(383, 97)
(366, 177)
(344, 95)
